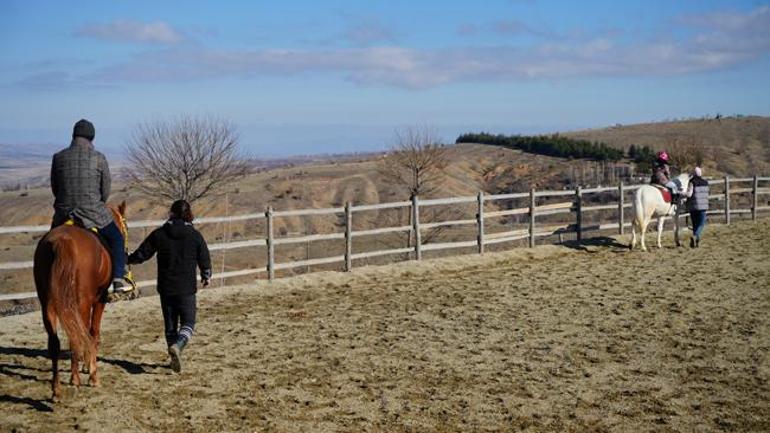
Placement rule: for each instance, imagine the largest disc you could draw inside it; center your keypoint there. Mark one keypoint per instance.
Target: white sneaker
(119, 285)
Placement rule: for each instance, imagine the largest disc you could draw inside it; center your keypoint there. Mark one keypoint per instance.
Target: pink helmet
(663, 156)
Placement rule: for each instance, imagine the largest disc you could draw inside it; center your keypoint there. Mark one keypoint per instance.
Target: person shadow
(20, 371)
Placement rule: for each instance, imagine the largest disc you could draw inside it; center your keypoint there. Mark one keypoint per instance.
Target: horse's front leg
(661, 221)
(96, 322)
(676, 229)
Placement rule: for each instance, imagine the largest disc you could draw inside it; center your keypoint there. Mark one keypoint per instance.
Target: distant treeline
(551, 145)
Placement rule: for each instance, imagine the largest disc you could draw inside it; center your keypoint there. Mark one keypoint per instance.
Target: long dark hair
(181, 210)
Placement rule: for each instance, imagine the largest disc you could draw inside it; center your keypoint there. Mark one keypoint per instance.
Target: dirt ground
(547, 339)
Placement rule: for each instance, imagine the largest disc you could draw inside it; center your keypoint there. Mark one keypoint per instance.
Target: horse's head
(119, 215)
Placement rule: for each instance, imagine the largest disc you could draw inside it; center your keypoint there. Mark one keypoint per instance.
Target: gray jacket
(698, 193)
(80, 181)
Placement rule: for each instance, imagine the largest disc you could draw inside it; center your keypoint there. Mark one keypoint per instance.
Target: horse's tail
(638, 211)
(65, 299)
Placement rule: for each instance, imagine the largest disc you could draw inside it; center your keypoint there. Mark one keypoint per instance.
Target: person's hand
(206, 282)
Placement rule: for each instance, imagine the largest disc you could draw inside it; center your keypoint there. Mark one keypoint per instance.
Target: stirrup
(122, 291)
(120, 285)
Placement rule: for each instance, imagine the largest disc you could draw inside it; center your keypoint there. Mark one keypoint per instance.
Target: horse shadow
(129, 367)
(11, 370)
(600, 241)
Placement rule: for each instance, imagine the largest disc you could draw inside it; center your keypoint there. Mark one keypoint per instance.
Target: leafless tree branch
(188, 158)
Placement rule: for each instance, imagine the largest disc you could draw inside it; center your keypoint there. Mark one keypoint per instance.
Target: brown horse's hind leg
(75, 378)
(54, 349)
(96, 323)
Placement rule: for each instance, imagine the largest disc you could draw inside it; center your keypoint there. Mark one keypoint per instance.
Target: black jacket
(180, 248)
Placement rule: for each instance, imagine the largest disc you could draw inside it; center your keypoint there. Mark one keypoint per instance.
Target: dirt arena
(551, 339)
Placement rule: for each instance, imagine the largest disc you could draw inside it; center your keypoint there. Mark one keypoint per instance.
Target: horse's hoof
(94, 383)
(56, 398)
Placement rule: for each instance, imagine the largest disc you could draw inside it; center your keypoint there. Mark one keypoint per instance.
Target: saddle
(665, 192)
(129, 277)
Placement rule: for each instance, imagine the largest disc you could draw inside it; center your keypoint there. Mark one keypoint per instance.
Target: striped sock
(185, 334)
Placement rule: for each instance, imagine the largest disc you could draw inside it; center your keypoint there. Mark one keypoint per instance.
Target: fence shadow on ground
(38, 405)
(11, 370)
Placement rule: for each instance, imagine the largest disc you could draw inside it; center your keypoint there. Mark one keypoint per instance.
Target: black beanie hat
(84, 129)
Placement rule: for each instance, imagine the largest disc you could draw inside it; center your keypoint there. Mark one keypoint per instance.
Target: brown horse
(72, 270)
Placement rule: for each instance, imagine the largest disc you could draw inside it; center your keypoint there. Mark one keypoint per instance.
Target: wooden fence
(576, 205)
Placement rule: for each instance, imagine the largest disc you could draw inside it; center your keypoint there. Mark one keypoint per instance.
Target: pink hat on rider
(698, 171)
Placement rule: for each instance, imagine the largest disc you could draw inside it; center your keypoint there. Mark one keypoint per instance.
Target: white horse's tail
(638, 212)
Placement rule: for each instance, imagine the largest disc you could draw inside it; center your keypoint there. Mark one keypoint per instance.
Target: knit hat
(698, 172)
(84, 129)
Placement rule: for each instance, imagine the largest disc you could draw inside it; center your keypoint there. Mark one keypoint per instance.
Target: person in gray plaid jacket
(80, 181)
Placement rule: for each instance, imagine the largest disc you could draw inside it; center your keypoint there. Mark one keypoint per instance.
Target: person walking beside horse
(180, 249)
(698, 205)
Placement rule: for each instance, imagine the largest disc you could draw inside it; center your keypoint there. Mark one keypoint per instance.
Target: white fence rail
(533, 211)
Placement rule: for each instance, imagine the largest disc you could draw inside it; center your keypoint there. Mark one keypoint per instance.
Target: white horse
(649, 203)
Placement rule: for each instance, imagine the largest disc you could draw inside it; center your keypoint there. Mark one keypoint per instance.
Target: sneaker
(119, 285)
(176, 357)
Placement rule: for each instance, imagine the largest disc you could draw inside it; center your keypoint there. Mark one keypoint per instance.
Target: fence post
(754, 200)
(480, 222)
(348, 237)
(579, 213)
(416, 228)
(270, 246)
(727, 200)
(621, 219)
(532, 217)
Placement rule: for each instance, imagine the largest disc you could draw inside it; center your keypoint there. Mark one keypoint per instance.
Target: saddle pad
(665, 192)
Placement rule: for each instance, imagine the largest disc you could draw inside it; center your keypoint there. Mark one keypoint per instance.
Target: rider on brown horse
(80, 181)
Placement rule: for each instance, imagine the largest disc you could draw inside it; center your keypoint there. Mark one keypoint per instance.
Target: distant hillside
(738, 146)
(732, 145)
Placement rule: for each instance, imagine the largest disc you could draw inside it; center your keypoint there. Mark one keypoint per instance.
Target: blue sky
(300, 77)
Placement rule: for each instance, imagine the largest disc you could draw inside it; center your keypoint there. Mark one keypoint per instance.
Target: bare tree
(416, 162)
(186, 158)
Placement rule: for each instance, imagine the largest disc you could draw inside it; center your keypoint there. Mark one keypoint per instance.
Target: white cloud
(716, 41)
(157, 32)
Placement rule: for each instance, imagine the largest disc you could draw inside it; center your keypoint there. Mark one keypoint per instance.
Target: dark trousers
(178, 317)
(698, 222)
(117, 245)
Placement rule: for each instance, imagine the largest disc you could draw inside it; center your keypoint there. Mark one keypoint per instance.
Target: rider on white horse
(661, 174)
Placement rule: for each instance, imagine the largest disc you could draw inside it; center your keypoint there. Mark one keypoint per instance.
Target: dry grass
(735, 146)
(550, 339)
